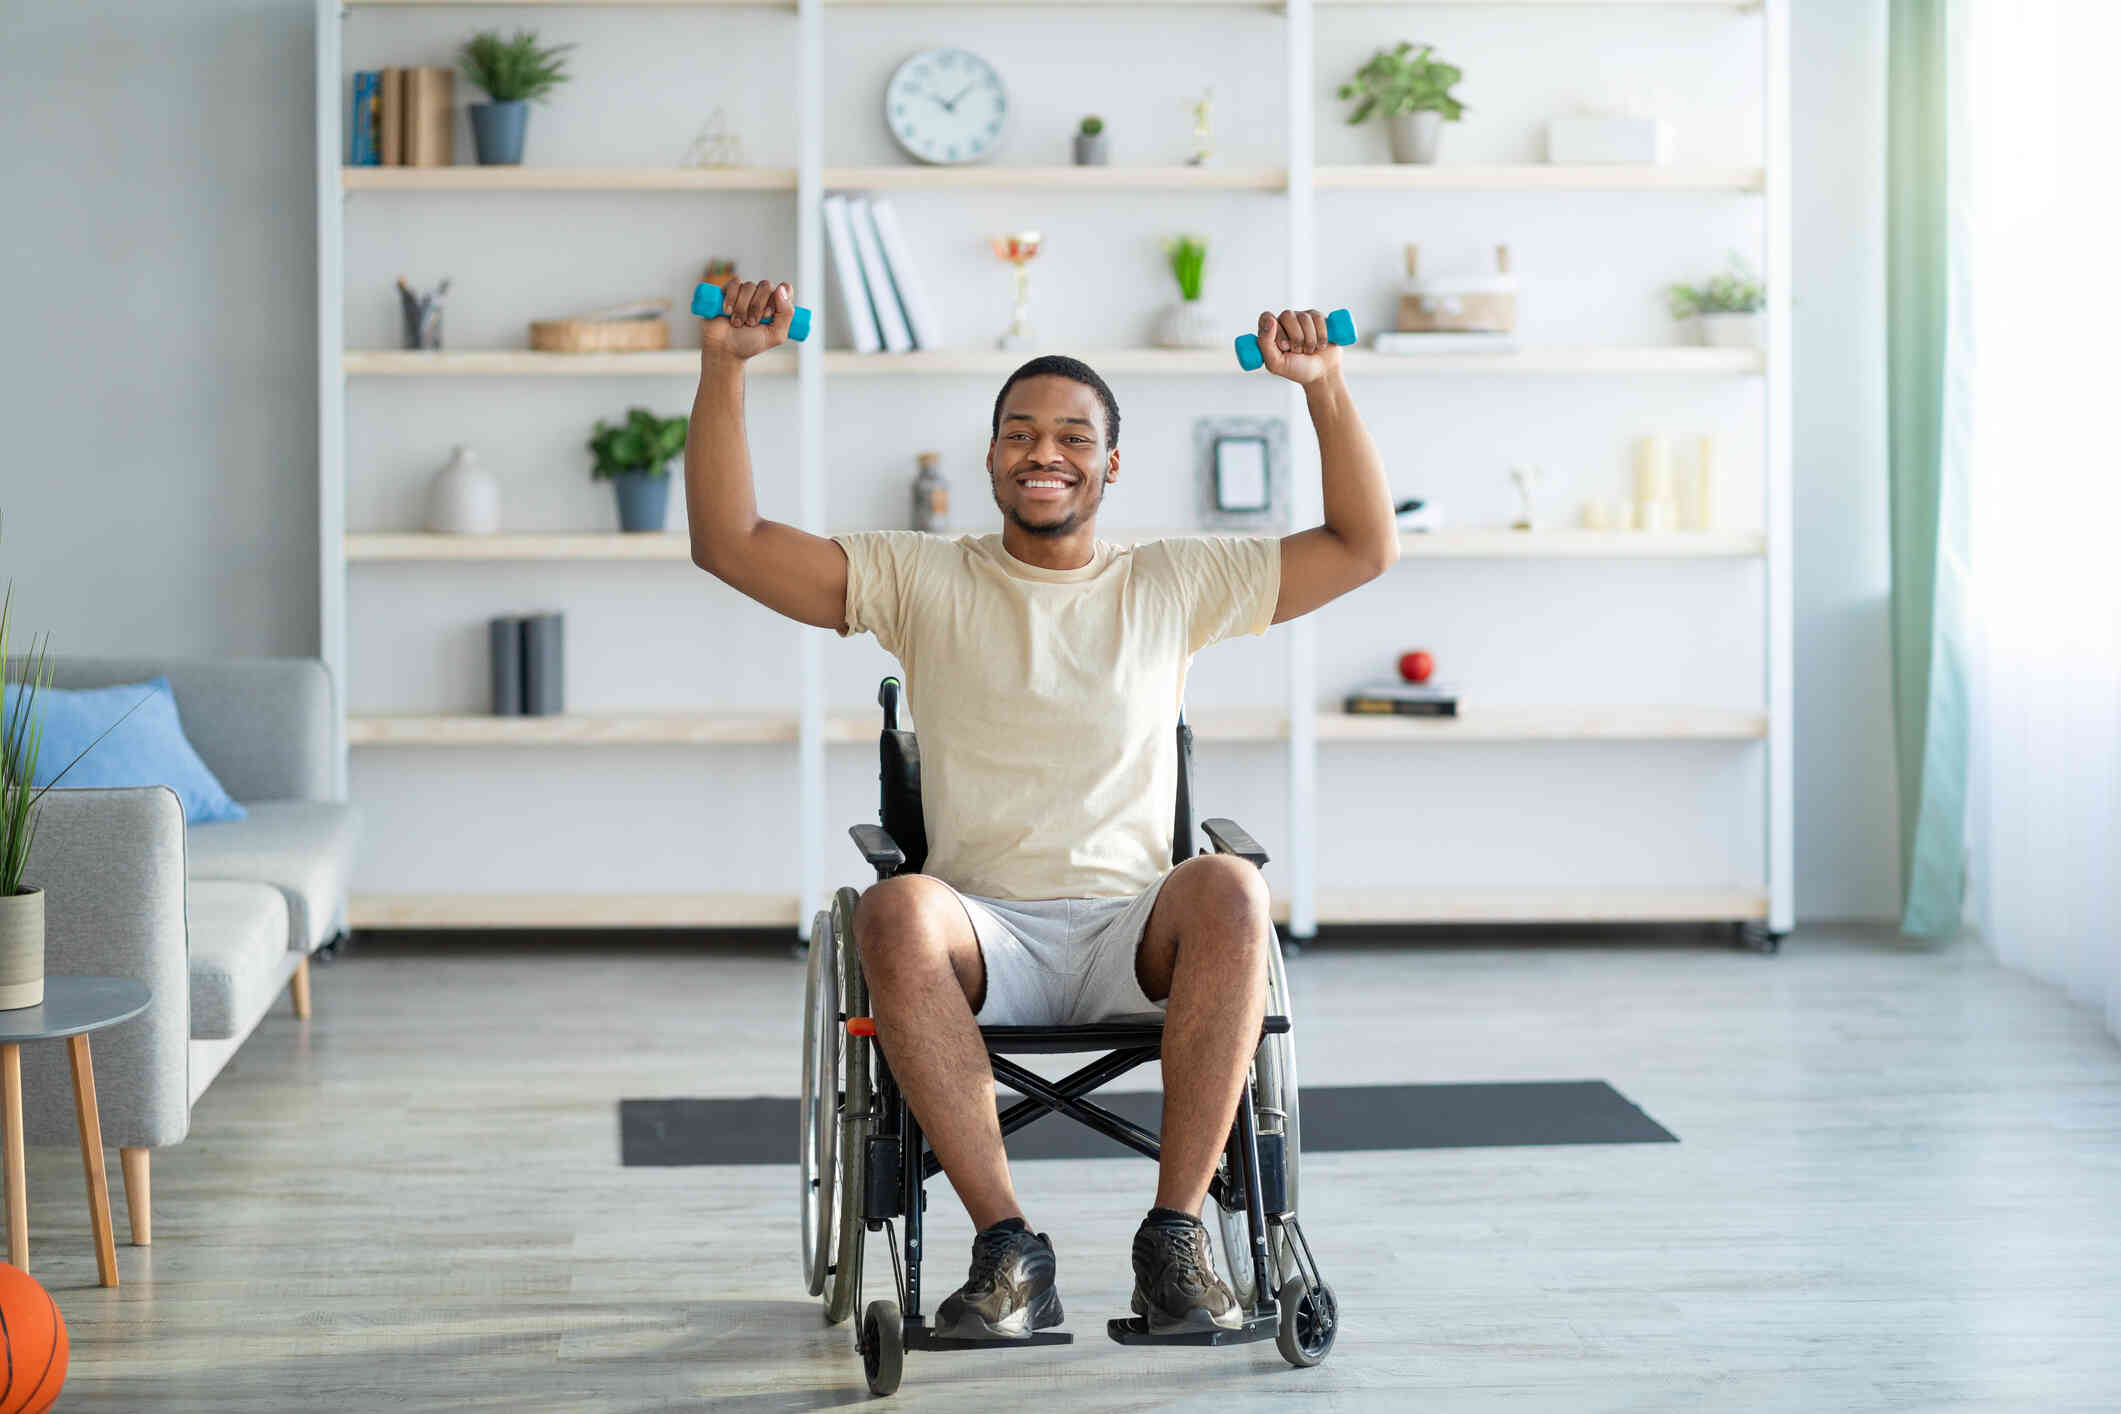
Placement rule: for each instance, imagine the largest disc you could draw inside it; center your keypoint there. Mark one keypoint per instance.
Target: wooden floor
(1898, 1187)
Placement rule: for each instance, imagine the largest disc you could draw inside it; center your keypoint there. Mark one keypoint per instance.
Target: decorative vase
(497, 131)
(1189, 324)
(462, 499)
(1089, 149)
(644, 498)
(22, 949)
(1414, 135)
(1727, 330)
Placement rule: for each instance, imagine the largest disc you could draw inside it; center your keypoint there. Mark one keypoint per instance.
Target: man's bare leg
(926, 980)
(1203, 952)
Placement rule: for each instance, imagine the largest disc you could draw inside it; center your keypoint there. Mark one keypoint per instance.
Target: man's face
(1052, 429)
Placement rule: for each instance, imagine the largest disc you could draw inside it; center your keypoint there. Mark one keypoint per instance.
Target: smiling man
(1044, 669)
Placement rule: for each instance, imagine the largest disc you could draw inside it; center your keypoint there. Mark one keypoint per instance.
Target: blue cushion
(148, 749)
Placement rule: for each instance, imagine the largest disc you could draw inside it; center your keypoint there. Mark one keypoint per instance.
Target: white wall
(197, 196)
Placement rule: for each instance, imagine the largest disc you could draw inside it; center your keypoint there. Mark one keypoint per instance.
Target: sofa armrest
(111, 863)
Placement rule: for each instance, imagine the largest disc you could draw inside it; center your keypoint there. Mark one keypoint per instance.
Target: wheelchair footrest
(920, 1336)
(1133, 1330)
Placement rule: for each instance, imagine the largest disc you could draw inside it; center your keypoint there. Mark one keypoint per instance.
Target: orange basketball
(32, 1343)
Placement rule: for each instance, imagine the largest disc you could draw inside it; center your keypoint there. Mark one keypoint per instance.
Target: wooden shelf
(1542, 176)
(516, 178)
(1518, 905)
(1582, 544)
(1615, 361)
(1502, 722)
(574, 910)
(1742, 5)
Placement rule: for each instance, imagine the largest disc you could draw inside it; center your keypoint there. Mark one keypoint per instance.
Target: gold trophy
(1019, 250)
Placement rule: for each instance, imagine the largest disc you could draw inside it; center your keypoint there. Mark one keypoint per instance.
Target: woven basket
(599, 335)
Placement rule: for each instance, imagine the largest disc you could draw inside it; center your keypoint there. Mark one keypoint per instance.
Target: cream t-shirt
(1046, 701)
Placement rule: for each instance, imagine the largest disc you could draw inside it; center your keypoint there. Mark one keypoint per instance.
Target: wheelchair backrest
(899, 762)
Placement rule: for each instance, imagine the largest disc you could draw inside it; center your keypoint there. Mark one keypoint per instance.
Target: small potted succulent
(1188, 323)
(1090, 143)
(1415, 94)
(635, 457)
(514, 73)
(1725, 309)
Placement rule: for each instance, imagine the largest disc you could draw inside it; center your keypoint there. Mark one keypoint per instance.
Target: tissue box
(1609, 140)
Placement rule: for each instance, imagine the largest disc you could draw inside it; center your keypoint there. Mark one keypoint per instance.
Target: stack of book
(403, 118)
(528, 671)
(883, 304)
(1407, 699)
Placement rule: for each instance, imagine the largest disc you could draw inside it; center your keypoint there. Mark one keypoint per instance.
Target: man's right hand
(739, 331)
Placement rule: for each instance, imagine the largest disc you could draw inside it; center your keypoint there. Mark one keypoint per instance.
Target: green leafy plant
(1092, 126)
(512, 69)
(1188, 257)
(1402, 85)
(644, 442)
(1736, 291)
(21, 735)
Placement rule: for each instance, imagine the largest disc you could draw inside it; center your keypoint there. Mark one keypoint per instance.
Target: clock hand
(951, 102)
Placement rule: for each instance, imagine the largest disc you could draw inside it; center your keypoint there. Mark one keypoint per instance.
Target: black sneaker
(1009, 1292)
(1175, 1285)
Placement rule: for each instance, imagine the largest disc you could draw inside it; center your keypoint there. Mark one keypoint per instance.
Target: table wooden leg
(91, 1126)
(17, 1169)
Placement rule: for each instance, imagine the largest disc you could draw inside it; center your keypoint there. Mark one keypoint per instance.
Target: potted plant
(1090, 143)
(1726, 309)
(1415, 94)
(1188, 323)
(22, 906)
(514, 73)
(635, 458)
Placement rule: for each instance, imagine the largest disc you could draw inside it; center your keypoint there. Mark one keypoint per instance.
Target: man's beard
(1067, 524)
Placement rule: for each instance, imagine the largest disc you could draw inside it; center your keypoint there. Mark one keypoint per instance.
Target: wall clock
(946, 105)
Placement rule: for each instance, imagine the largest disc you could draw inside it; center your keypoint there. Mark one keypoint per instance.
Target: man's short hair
(1065, 367)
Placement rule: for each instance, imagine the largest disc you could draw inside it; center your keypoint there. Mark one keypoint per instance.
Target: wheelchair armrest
(1230, 838)
(878, 847)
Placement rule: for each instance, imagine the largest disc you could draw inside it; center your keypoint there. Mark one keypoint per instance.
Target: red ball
(35, 1333)
(1416, 666)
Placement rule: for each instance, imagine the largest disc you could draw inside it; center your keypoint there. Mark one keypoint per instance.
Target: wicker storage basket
(599, 335)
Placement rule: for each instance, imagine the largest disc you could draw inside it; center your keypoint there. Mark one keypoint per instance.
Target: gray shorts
(1060, 961)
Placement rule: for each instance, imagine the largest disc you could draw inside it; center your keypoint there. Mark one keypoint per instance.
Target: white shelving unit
(1298, 726)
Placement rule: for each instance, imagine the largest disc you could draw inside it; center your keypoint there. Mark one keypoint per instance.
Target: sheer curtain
(2040, 416)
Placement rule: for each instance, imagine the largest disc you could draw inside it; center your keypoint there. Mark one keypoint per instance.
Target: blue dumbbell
(707, 304)
(1340, 329)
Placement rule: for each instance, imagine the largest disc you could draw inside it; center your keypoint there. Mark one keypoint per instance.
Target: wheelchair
(864, 1164)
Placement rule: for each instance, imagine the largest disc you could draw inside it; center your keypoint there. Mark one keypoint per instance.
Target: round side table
(72, 1007)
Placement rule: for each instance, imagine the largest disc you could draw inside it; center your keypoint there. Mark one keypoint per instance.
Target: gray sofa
(216, 918)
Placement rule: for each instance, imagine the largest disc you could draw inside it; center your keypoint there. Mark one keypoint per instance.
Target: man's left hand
(1295, 345)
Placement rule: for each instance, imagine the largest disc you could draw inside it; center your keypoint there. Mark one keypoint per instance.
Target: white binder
(890, 318)
(912, 294)
(856, 316)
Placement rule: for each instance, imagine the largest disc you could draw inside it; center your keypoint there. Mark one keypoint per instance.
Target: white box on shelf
(1581, 140)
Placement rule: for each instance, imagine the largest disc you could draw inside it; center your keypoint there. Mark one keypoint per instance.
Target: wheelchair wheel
(883, 1346)
(843, 1285)
(1308, 1323)
(1274, 1098)
(818, 1115)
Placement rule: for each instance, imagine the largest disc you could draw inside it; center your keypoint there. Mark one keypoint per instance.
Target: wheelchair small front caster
(1308, 1323)
(1758, 937)
(883, 1346)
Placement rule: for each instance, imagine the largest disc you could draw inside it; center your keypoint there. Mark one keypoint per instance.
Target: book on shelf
(390, 119)
(890, 315)
(430, 117)
(1406, 699)
(852, 296)
(1449, 341)
(913, 295)
(364, 129)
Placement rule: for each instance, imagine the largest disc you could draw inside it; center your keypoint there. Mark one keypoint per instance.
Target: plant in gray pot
(635, 458)
(1414, 94)
(1090, 143)
(22, 906)
(514, 73)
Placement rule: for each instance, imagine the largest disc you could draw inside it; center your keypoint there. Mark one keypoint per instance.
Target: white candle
(1653, 468)
(1705, 484)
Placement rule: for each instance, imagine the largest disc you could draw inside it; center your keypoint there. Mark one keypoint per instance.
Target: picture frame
(1242, 471)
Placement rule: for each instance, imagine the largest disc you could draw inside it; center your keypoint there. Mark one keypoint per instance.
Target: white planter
(1729, 331)
(1189, 324)
(1414, 135)
(22, 949)
(463, 499)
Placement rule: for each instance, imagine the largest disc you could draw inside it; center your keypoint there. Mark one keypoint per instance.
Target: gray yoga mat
(762, 1129)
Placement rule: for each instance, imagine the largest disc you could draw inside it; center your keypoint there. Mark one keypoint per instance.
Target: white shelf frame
(1301, 726)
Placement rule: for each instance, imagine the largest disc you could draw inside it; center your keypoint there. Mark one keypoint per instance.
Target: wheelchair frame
(864, 1161)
